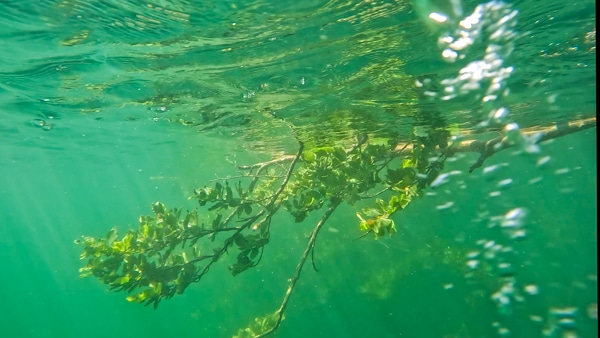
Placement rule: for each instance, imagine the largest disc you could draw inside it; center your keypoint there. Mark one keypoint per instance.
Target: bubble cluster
(487, 34)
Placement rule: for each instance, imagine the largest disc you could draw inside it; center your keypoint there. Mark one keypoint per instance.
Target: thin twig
(309, 247)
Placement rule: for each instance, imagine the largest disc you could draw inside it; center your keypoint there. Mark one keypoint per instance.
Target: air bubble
(531, 289)
(444, 206)
(438, 17)
(38, 123)
(504, 183)
(542, 161)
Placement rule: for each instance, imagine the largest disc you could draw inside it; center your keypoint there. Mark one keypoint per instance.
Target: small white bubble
(518, 234)
(441, 179)
(564, 312)
(499, 114)
(38, 122)
(490, 168)
(542, 161)
(445, 205)
(503, 331)
(473, 263)
(438, 17)
(449, 55)
(535, 318)
(531, 289)
(566, 323)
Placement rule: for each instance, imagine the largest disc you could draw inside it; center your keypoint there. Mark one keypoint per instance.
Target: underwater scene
(316, 168)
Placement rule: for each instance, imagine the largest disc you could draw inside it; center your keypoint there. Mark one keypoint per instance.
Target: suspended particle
(535, 180)
(518, 234)
(531, 289)
(567, 312)
(566, 323)
(495, 193)
(473, 264)
(502, 331)
(441, 179)
(490, 168)
(445, 206)
(562, 171)
(514, 218)
(542, 161)
(498, 115)
(505, 270)
(448, 286)
(505, 182)
(536, 318)
(489, 244)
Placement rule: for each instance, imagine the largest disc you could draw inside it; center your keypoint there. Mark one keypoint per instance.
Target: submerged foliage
(172, 249)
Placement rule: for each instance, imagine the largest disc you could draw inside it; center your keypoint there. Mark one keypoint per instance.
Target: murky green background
(108, 106)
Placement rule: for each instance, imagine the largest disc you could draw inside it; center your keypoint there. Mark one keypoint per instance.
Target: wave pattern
(332, 68)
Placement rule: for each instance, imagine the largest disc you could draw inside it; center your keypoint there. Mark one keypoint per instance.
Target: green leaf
(241, 241)
(216, 223)
(111, 236)
(308, 156)
(158, 208)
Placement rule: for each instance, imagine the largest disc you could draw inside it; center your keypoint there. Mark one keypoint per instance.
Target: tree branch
(487, 148)
(309, 248)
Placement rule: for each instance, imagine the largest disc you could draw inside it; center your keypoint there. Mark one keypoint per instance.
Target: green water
(109, 106)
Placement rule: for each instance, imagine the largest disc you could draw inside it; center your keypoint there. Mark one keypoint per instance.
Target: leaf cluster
(171, 249)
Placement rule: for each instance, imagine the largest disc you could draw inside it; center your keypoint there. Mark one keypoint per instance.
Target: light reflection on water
(228, 65)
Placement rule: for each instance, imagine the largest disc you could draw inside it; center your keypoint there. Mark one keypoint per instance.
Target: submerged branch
(487, 148)
(309, 248)
(536, 135)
